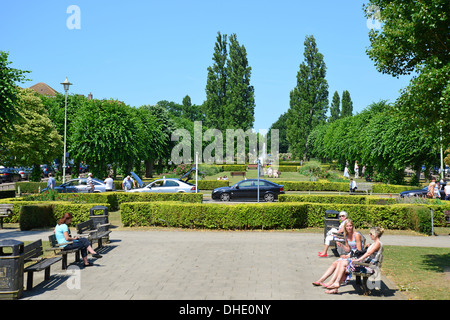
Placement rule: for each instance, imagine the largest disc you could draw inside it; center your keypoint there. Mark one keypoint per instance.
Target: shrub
(36, 216)
(266, 215)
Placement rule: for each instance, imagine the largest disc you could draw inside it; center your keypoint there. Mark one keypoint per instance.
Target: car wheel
(225, 197)
(269, 197)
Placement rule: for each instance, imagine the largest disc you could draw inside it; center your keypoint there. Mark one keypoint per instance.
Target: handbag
(358, 253)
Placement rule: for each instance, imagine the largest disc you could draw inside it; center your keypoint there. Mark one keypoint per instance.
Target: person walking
(90, 183)
(51, 182)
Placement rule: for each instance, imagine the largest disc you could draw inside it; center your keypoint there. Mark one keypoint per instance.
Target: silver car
(79, 185)
(169, 185)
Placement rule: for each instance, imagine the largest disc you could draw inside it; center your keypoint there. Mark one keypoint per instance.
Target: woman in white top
(368, 257)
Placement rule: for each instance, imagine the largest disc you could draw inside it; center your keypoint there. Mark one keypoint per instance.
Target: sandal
(318, 284)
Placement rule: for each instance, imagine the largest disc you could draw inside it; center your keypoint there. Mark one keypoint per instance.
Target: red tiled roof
(44, 89)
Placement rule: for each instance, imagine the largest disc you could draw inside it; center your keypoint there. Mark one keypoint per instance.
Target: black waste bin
(11, 269)
(101, 218)
(332, 221)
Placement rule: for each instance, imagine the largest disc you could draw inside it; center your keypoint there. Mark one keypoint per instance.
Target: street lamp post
(66, 85)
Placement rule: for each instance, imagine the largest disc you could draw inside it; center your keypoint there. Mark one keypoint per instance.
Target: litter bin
(332, 221)
(11, 269)
(99, 218)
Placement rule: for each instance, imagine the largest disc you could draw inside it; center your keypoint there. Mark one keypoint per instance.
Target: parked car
(422, 193)
(169, 185)
(268, 190)
(9, 175)
(79, 185)
(46, 169)
(25, 173)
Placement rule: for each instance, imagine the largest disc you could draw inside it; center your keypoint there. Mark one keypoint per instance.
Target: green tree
(347, 105)
(308, 100)
(281, 125)
(415, 39)
(216, 86)
(34, 140)
(9, 92)
(240, 101)
(335, 110)
(105, 132)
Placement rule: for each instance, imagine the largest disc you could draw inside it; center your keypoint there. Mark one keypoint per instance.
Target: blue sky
(141, 51)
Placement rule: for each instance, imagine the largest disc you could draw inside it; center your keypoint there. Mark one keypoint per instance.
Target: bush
(36, 216)
(4, 194)
(279, 215)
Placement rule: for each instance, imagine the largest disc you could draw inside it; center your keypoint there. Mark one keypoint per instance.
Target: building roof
(44, 89)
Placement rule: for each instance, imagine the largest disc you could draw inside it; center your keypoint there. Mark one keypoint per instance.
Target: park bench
(93, 233)
(237, 173)
(60, 250)
(364, 187)
(5, 212)
(375, 266)
(253, 166)
(34, 252)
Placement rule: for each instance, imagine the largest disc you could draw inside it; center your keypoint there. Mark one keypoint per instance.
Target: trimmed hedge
(30, 187)
(338, 186)
(344, 199)
(114, 199)
(80, 211)
(4, 194)
(213, 216)
(273, 215)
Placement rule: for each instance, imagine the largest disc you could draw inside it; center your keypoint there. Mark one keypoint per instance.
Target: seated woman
(353, 242)
(331, 234)
(62, 236)
(345, 267)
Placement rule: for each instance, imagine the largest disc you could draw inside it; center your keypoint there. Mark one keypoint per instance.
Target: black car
(9, 175)
(248, 189)
(422, 193)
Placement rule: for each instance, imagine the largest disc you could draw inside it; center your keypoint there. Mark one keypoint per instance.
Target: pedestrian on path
(51, 182)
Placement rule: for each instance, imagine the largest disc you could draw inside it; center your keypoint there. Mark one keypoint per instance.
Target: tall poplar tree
(216, 85)
(347, 105)
(335, 109)
(240, 107)
(308, 100)
(230, 101)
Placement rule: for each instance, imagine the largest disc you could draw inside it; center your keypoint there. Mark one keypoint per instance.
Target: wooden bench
(93, 233)
(237, 173)
(60, 250)
(252, 166)
(364, 187)
(5, 212)
(376, 271)
(34, 252)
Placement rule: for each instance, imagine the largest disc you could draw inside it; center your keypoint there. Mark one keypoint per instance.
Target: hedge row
(80, 211)
(114, 199)
(338, 186)
(272, 215)
(343, 199)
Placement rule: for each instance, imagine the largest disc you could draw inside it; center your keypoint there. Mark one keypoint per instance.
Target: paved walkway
(199, 265)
